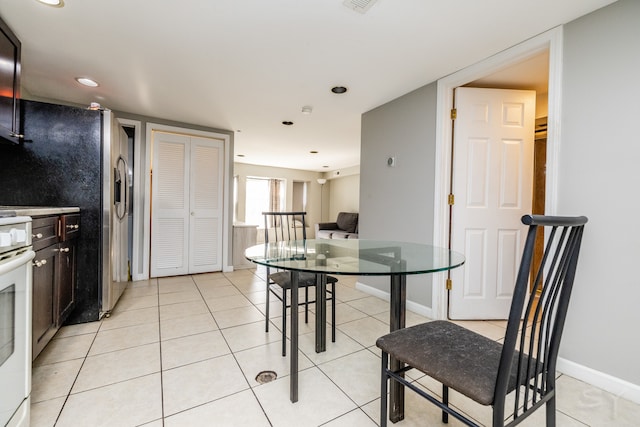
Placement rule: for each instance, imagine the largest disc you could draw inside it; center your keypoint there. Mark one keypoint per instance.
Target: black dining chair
(485, 370)
(284, 226)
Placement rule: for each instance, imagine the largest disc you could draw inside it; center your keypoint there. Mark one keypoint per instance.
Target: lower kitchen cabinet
(45, 266)
(66, 287)
(54, 275)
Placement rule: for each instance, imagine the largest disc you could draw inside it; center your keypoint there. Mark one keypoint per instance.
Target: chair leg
(550, 409)
(333, 312)
(383, 390)
(445, 401)
(284, 322)
(266, 327)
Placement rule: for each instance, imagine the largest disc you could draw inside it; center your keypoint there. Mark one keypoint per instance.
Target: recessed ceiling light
(338, 89)
(325, 166)
(240, 155)
(287, 123)
(87, 81)
(313, 152)
(54, 3)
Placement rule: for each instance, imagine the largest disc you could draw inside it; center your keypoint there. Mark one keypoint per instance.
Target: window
(263, 194)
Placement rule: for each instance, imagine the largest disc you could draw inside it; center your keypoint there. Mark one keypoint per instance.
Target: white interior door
(206, 201)
(170, 205)
(492, 185)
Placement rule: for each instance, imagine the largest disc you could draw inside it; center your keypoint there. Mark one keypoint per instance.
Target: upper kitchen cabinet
(9, 85)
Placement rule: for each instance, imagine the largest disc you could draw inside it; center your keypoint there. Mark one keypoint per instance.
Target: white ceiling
(248, 65)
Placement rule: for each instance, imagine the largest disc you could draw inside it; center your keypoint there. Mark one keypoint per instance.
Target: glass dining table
(359, 257)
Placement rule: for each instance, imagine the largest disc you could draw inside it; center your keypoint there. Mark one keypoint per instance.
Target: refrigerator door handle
(120, 182)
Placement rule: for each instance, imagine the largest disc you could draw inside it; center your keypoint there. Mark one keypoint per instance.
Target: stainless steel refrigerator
(116, 197)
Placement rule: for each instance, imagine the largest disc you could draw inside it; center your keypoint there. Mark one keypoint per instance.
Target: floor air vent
(361, 6)
(266, 377)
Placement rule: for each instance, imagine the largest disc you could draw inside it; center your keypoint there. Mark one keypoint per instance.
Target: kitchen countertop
(40, 210)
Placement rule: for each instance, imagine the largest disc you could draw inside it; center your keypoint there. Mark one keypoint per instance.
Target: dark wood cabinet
(54, 275)
(45, 237)
(66, 289)
(10, 50)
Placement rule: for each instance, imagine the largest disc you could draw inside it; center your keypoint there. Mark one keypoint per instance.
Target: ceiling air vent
(361, 6)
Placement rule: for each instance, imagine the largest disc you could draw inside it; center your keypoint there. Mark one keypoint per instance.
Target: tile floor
(185, 351)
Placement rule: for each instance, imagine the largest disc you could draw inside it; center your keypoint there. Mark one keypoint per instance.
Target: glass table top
(354, 256)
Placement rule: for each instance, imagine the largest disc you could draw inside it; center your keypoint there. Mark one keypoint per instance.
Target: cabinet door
(170, 205)
(205, 202)
(45, 266)
(66, 284)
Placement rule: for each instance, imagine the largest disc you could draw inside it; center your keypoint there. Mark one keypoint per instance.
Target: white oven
(15, 320)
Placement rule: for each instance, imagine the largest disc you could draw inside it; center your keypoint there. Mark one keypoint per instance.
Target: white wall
(242, 171)
(344, 195)
(599, 177)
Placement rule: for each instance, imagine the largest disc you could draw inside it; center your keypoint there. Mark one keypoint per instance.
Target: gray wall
(599, 177)
(396, 203)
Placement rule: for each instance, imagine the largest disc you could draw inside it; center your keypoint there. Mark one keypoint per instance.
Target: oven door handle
(9, 264)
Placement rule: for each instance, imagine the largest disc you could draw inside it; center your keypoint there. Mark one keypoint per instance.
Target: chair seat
(455, 356)
(283, 279)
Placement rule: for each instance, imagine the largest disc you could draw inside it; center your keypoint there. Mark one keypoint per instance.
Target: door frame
(551, 41)
(137, 267)
(227, 263)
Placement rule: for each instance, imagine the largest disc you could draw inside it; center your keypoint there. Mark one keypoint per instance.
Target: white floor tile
(594, 406)
(185, 326)
(249, 336)
(240, 409)
(178, 297)
(79, 329)
(357, 375)
(343, 346)
(127, 337)
(54, 380)
(126, 403)
(319, 401)
(355, 418)
(66, 348)
(226, 303)
(366, 331)
(121, 319)
(45, 413)
(116, 366)
(238, 316)
(193, 348)
(192, 385)
(185, 309)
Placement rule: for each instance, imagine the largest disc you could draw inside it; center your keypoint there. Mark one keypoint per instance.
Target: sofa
(345, 227)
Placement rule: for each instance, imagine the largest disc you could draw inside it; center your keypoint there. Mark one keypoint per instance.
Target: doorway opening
(515, 61)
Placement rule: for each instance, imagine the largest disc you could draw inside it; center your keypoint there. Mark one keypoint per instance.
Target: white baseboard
(420, 309)
(611, 384)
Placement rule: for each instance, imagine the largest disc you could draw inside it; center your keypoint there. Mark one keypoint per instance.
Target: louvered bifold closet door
(170, 205)
(205, 242)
